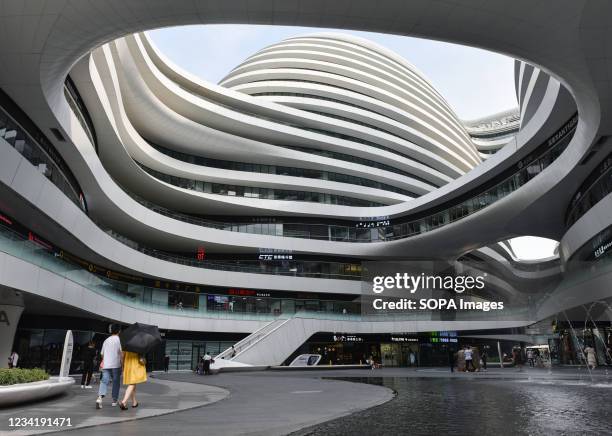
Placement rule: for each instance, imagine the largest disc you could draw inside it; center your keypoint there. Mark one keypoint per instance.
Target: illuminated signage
(451, 334)
(443, 337)
(274, 250)
(602, 243)
(200, 254)
(6, 220)
(347, 338)
(242, 292)
(602, 249)
(403, 339)
(32, 237)
(276, 257)
(443, 340)
(372, 224)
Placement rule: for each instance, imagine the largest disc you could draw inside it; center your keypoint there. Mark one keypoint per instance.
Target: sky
(475, 82)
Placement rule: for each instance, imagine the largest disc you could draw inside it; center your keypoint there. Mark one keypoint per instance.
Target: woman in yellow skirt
(134, 372)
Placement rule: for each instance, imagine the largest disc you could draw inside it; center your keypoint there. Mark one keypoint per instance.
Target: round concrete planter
(24, 392)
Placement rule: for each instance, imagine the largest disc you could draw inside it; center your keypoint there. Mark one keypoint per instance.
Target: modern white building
(255, 212)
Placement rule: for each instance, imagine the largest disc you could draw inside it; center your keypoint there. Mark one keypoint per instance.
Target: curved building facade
(254, 212)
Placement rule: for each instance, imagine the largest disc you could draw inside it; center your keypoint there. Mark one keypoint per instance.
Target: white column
(11, 307)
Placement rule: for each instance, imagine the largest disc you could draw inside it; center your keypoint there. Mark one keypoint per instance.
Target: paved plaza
(326, 402)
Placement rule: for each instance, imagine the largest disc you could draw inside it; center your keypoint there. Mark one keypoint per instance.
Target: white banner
(67, 355)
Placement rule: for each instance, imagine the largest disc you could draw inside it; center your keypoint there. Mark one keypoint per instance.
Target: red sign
(6, 220)
(242, 292)
(32, 237)
(200, 254)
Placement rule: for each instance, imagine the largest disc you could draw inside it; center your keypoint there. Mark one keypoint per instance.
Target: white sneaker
(99, 403)
(87, 387)
(114, 404)
(82, 387)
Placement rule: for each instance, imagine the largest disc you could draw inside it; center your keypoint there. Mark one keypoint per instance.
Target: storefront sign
(403, 339)
(373, 223)
(347, 338)
(275, 257)
(602, 249)
(563, 131)
(442, 337)
(32, 237)
(242, 292)
(274, 250)
(5, 220)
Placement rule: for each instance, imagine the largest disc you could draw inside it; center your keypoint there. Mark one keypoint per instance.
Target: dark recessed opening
(594, 149)
(58, 135)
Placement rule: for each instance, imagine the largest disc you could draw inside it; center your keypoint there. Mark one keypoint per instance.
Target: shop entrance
(197, 351)
(399, 354)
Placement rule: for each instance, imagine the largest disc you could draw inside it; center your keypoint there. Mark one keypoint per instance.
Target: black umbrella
(140, 338)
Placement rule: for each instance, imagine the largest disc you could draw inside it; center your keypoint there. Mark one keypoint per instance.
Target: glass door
(197, 352)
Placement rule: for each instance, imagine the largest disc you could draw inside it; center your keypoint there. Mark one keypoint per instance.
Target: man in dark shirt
(89, 353)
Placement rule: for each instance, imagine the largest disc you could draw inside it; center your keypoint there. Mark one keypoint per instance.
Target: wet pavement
(430, 406)
(156, 397)
(427, 401)
(260, 404)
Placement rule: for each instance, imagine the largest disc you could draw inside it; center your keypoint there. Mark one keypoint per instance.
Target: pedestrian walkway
(280, 402)
(262, 403)
(156, 397)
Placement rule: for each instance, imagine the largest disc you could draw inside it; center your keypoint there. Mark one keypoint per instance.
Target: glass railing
(597, 186)
(162, 300)
(306, 269)
(292, 268)
(308, 129)
(258, 192)
(157, 300)
(278, 170)
(375, 231)
(43, 156)
(383, 230)
(361, 161)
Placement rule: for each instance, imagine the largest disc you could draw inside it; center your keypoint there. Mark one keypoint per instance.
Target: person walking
(110, 366)
(207, 361)
(530, 359)
(372, 363)
(88, 355)
(233, 354)
(483, 358)
(468, 359)
(517, 358)
(451, 360)
(591, 357)
(134, 372)
(166, 362)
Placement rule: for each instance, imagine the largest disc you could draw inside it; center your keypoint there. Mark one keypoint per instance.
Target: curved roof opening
(476, 83)
(532, 248)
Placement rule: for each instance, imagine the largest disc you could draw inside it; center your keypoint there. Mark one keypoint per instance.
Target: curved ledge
(29, 392)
